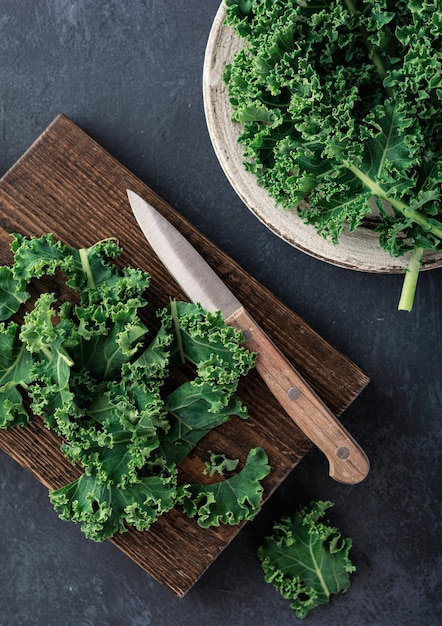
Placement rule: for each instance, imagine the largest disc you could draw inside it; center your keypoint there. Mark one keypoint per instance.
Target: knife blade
(348, 463)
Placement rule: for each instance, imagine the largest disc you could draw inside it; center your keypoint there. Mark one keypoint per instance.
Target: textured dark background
(129, 74)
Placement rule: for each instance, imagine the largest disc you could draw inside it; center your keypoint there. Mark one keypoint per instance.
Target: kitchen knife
(347, 461)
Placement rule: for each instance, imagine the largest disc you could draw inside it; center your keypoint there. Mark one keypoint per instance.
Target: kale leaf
(232, 500)
(306, 559)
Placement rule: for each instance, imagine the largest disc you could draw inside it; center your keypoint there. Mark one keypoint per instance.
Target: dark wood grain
(68, 185)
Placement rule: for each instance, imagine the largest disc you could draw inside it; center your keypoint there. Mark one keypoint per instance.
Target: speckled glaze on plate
(358, 251)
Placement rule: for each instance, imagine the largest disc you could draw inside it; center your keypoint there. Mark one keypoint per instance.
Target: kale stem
(86, 267)
(410, 280)
(398, 205)
(47, 352)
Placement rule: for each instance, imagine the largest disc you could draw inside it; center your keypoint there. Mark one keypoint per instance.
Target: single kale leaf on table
(340, 104)
(97, 376)
(306, 559)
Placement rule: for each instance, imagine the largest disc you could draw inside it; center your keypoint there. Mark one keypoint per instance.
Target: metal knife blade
(347, 461)
(182, 260)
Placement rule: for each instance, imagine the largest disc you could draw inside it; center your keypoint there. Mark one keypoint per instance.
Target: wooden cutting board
(68, 185)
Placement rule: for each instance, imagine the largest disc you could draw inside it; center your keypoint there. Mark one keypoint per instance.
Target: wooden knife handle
(348, 462)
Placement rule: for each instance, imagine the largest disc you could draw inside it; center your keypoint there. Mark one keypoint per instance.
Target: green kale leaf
(232, 500)
(103, 509)
(35, 257)
(306, 559)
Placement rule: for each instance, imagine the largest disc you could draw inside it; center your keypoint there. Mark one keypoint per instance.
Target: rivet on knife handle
(348, 462)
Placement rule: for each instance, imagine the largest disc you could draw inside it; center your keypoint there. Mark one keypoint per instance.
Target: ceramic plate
(358, 251)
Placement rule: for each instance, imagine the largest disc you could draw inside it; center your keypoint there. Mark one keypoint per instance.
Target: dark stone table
(130, 74)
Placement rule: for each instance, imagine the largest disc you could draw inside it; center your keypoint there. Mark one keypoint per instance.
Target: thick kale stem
(410, 280)
(398, 205)
(420, 219)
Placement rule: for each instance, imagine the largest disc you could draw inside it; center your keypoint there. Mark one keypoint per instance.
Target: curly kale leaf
(103, 509)
(306, 559)
(204, 339)
(232, 500)
(340, 105)
(35, 257)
